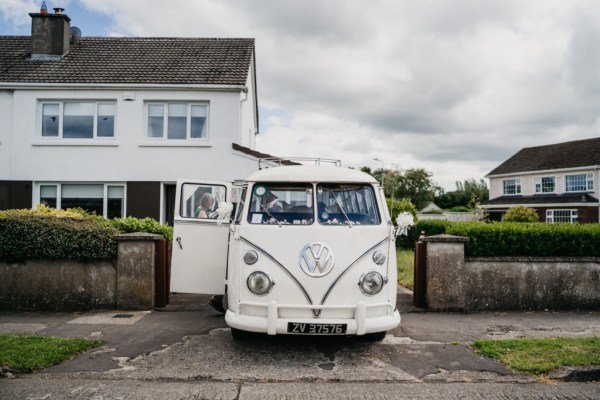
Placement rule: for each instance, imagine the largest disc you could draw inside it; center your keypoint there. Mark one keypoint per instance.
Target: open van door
(200, 242)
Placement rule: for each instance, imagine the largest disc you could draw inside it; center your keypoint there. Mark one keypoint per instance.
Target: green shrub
(74, 234)
(520, 214)
(396, 207)
(528, 239)
(429, 227)
(514, 239)
(53, 235)
(148, 225)
(460, 209)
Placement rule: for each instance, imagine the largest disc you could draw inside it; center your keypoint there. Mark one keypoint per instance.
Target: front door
(200, 241)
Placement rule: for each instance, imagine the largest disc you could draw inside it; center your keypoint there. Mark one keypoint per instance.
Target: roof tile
(107, 60)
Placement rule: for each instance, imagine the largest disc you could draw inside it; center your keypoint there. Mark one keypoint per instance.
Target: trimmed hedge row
(51, 234)
(517, 239)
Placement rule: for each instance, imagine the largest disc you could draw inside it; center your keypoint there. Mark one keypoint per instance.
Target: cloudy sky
(452, 86)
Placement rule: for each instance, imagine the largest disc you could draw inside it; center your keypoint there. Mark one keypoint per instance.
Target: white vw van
(309, 250)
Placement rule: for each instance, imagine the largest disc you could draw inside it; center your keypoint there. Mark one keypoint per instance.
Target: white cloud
(454, 86)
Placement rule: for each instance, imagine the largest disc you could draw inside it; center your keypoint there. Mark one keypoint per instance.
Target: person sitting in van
(207, 202)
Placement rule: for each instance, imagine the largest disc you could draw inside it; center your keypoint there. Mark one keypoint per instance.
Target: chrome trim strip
(315, 312)
(350, 266)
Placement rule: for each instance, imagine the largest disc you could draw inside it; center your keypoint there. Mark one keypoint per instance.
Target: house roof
(259, 155)
(541, 199)
(108, 60)
(578, 153)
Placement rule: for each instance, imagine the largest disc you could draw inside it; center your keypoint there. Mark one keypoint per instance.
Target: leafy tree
(521, 214)
(416, 185)
(469, 193)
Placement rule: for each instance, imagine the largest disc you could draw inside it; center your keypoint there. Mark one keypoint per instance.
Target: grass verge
(406, 267)
(539, 356)
(28, 353)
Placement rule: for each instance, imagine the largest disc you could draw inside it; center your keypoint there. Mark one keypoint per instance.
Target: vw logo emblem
(316, 259)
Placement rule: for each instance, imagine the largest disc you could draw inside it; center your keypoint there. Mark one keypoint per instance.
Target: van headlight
(371, 283)
(259, 283)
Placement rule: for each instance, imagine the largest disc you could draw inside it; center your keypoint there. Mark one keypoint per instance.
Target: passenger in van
(207, 202)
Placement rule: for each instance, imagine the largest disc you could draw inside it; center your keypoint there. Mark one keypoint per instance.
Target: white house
(560, 181)
(109, 124)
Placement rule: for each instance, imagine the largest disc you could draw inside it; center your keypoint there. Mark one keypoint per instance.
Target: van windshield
(346, 204)
(281, 203)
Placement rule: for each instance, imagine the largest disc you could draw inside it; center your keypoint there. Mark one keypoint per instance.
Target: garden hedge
(51, 234)
(516, 239)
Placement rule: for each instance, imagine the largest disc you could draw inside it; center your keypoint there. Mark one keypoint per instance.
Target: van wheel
(239, 334)
(376, 336)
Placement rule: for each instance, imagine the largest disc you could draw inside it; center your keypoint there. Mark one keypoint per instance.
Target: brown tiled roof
(107, 60)
(578, 153)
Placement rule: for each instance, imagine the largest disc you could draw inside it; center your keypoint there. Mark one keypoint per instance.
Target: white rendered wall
(130, 157)
(528, 182)
(5, 132)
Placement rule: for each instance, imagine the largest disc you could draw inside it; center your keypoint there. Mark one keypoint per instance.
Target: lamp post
(382, 173)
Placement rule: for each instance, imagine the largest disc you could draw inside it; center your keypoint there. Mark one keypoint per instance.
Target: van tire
(376, 336)
(239, 334)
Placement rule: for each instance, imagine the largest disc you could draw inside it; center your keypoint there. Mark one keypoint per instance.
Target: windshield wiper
(339, 204)
(269, 214)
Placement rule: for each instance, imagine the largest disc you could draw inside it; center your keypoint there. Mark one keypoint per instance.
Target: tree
(469, 193)
(416, 185)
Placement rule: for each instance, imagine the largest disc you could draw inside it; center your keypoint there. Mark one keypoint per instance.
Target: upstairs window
(545, 184)
(177, 121)
(511, 186)
(579, 183)
(78, 120)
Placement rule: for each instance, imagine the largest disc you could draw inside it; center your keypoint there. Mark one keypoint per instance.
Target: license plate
(316, 329)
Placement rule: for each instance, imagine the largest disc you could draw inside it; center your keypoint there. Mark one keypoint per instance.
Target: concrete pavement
(186, 351)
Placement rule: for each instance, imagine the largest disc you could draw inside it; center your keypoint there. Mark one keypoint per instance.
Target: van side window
(277, 203)
(344, 204)
(201, 201)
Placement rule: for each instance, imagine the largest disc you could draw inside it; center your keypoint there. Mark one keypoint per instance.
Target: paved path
(186, 351)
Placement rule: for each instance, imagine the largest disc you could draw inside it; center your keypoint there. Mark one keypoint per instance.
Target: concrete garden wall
(125, 283)
(454, 282)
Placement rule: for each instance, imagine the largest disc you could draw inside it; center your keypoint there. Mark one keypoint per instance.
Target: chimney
(49, 35)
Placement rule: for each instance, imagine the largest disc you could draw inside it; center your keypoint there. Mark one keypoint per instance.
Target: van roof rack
(267, 162)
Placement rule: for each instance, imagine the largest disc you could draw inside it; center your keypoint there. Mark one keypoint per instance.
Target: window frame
(539, 180)
(59, 188)
(165, 123)
(588, 179)
(551, 217)
(61, 116)
(517, 185)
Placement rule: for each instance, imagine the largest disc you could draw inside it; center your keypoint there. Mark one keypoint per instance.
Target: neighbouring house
(431, 206)
(560, 181)
(109, 123)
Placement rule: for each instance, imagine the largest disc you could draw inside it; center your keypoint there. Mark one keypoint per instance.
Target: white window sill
(174, 143)
(76, 142)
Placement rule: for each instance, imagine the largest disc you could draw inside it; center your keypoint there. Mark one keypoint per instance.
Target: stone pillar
(445, 284)
(135, 270)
